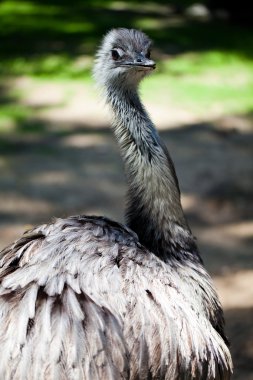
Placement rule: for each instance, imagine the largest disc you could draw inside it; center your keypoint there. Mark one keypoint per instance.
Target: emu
(87, 298)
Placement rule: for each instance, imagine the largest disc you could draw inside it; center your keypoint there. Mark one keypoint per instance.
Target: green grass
(11, 115)
(204, 83)
(48, 66)
(204, 67)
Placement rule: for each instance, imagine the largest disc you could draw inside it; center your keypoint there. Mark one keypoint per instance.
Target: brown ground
(74, 167)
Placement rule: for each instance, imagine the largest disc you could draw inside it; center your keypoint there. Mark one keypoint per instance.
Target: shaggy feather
(94, 325)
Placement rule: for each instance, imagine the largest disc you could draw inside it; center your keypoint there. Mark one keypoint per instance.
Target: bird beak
(148, 63)
(143, 61)
(140, 61)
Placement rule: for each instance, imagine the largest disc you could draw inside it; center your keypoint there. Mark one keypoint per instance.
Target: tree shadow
(211, 169)
(240, 332)
(51, 174)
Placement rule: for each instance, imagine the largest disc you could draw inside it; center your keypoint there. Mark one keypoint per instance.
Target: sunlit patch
(235, 289)
(82, 141)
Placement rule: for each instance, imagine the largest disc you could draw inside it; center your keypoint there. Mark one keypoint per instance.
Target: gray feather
(87, 301)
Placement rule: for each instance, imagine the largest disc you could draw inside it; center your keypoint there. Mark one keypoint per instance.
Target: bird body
(81, 298)
(86, 298)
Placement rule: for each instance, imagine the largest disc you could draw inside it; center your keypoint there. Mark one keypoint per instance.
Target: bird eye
(148, 54)
(115, 55)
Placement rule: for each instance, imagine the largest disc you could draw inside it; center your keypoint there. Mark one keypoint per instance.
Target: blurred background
(57, 153)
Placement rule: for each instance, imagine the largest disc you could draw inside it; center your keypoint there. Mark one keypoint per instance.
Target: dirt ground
(74, 167)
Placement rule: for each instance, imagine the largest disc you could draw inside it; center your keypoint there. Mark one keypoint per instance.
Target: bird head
(123, 58)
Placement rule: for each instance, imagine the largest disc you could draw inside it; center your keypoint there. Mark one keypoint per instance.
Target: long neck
(154, 209)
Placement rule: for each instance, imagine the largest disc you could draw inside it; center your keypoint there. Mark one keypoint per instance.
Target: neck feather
(154, 209)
